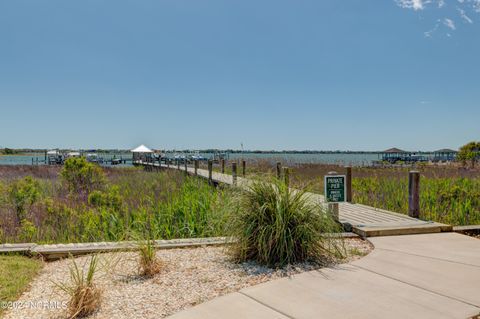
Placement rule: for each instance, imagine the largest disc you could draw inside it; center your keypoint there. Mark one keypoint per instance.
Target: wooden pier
(363, 220)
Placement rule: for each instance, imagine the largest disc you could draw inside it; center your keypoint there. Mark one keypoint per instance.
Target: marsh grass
(276, 226)
(453, 201)
(448, 194)
(162, 205)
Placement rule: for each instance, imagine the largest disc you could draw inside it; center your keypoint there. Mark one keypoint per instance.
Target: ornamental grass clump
(149, 263)
(85, 296)
(276, 226)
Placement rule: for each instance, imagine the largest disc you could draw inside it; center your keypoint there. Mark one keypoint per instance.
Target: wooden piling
(223, 166)
(196, 168)
(186, 165)
(178, 164)
(279, 170)
(333, 208)
(349, 184)
(244, 167)
(234, 173)
(414, 194)
(210, 171)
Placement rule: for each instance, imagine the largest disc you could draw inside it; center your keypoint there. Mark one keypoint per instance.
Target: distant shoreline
(210, 151)
(19, 154)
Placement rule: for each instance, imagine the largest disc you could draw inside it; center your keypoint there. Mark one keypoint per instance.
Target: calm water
(343, 159)
(27, 159)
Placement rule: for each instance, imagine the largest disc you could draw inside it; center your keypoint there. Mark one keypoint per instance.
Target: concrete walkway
(411, 276)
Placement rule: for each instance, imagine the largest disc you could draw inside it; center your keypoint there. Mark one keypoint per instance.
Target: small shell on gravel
(190, 276)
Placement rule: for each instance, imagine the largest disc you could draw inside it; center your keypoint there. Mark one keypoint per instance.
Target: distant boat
(180, 157)
(72, 154)
(54, 157)
(218, 156)
(116, 161)
(198, 157)
(94, 158)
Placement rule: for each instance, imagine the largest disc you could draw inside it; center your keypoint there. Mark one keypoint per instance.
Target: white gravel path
(191, 276)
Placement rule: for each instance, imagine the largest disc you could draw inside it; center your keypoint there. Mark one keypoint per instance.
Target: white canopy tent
(142, 149)
(141, 153)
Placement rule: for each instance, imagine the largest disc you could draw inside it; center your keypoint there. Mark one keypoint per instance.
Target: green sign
(335, 188)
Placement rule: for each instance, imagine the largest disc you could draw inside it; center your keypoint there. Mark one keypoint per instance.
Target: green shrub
(110, 198)
(277, 226)
(469, 152)
(24, 193)
(27, 230)
(81, 176)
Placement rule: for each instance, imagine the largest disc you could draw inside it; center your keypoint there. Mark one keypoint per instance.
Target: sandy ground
(189, 277)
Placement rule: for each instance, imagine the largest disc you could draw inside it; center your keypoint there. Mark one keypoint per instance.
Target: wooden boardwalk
(363, 220)
(57, 251)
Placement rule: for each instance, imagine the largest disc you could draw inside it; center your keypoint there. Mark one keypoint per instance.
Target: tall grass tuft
(85, 296)
(149, 263)
(276, 226)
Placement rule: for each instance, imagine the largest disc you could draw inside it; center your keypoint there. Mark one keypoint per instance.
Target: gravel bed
(190, 276)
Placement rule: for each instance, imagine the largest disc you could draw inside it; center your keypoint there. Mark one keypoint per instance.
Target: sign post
(335, 191)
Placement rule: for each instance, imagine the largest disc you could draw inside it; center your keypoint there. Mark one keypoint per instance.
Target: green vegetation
(82, 177)
(23, 193)
(276, 226)
(83, 202)
(15, 275)
(448, 193)
(469, 152)
(453, 201)
(87, 203)
(8, 151)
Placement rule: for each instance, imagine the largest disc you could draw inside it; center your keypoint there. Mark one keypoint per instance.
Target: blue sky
(325, 75)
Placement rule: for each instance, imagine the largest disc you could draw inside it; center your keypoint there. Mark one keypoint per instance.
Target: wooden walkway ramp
(57, 251)
(363, 220)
